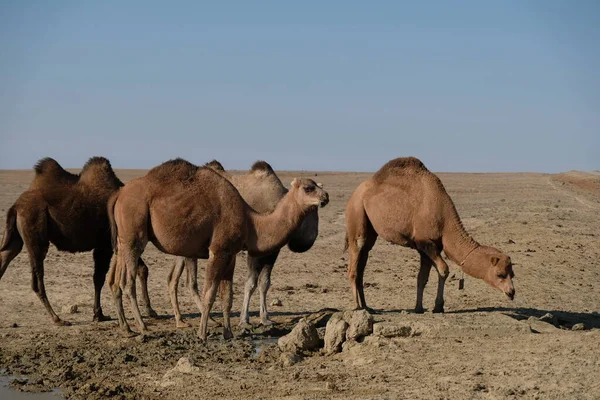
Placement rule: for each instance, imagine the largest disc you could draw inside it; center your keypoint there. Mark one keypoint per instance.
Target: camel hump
(262, 167)
(48, 166)
(399, 166)
(176, 169)
(49, 170)
(99, 169)
(214, 164)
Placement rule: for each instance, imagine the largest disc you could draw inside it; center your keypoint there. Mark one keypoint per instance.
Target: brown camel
(406, 204)
(262, 189)
(194, 212)
(68, 211)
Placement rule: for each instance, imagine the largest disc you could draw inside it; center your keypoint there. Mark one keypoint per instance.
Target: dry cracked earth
(483, 347)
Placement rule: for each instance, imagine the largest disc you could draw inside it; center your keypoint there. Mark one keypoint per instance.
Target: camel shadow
(565, 319)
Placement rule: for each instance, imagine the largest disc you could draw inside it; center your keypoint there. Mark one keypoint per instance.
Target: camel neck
(270, 232)
(459, 246)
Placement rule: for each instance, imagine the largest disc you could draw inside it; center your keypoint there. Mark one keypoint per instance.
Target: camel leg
(422, 279)
(264, 283)
(191, 267)
(131, 259)
(143, 275)
(226, 293)
(116, 278)
(431, 250)
(173, 283)
(359, 254)
(254, 269)
(11, 250)
(101, 265)
(217, 263)
(36, 242)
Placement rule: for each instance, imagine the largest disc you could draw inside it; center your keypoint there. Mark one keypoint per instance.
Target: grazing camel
(262, 189)
(406, 204)
(193, 212)
(68, 211)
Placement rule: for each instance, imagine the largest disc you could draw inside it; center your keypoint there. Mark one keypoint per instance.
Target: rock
(276, 303)
(360, 325)
(14, 325)
(390, 331)
(289, 359)
(304, 336)
(537, 326)
(185, 366)
(70, 309)
(578, 327)
(335, 333)
(549, 318)
(330, 386)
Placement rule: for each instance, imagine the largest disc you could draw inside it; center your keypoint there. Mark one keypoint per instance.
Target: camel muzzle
(510, 294)
(324, 201)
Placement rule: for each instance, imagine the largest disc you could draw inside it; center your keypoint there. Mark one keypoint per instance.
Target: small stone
(549, 318)
(289, 359)
(70, 309)
(276, 303)
(335, 333)
(304, 336)
(330, 386)
(510, 241)
(360, 325)
(14, 325)
(578, 327)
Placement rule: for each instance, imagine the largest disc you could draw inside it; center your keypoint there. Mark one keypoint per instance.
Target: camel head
(308, 194)
(499, 272)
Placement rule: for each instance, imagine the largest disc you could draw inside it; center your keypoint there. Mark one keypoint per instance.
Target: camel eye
(309, 189)
(502, 276)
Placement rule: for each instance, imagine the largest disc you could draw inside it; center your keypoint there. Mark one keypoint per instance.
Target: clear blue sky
(318, 85)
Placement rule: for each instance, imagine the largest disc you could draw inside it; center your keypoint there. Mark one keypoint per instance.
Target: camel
(69, 211)
(406, 204)
(193, 212)
(262, 189)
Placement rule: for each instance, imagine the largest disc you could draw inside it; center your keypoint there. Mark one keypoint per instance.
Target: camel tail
(11, 240)
(111, 220)
(346, 243)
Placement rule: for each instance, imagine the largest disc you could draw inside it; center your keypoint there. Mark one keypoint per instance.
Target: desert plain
(483, 347)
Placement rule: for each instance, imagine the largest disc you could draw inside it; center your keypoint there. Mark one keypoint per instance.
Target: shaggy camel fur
(262, 189)
(196, 213)
(406, 204)
(68, 211)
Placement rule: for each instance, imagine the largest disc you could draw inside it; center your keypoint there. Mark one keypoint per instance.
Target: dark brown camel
(196, 213)
(406, 204)
(68, 211)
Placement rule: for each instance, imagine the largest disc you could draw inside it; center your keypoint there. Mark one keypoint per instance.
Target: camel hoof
(202, 337)
(128, 333)
(101, 318)
(267, 322)
(419, 310)
(438, 310)
(227, 334)
(182, 324)
(151, 313)
(245, 325)
(62, 322)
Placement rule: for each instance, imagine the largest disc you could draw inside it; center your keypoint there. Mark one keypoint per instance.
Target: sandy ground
(484, 346)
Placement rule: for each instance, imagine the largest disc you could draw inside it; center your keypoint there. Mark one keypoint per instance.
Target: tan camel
(262, 189)
(194, 212)
(68, 211)
(406, 204)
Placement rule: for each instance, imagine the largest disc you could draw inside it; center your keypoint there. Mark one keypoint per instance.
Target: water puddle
(9, 393)
(260, 344)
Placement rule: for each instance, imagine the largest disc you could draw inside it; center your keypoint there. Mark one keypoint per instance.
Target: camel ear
(296, 183)
(495, 260)
(319, 184)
